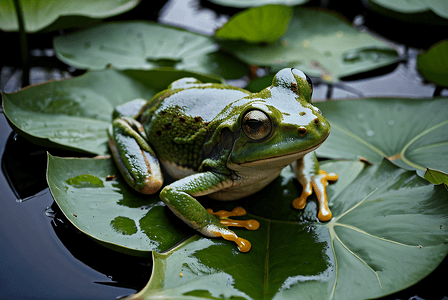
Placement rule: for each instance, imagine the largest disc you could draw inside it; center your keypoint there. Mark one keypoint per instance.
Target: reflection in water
(24, 165)
(124, 270)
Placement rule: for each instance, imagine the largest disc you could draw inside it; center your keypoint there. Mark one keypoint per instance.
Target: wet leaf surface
(142, 45)
(413, 133)
(256, 25)
(106, 209)
(388, 231)
(404, 6)
(327, 46)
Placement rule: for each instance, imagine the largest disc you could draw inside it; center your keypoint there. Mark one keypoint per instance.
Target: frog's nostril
(316, 121)
(302, 131)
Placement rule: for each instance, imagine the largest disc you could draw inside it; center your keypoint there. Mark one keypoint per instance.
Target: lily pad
(434, 63)
(141, 45)
(413, 133)
(440, 8)
(40, 14)
(389, 230)
(256, 24)
(254, 3)
(93, 197)
(319, 43)
(74, 114)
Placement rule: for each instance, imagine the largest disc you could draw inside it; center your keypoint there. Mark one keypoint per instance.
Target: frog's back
(176, 121)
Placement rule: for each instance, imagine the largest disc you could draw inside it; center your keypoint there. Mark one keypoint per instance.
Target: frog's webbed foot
(318, 183)
(243, 245)
(236, 212)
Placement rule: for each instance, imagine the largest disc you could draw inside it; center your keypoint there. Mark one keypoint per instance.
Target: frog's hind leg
(179, 197)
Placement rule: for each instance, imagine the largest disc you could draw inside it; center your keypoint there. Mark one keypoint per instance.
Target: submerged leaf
(412, 133)
(255, 25)
(320, 44)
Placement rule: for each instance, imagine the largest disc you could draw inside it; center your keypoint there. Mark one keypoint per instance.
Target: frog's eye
(304, 76)
(256, 125)
(310, 83)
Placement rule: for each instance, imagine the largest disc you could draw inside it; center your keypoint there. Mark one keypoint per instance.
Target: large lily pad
(256, 24)
(74, 114)
(388, 231)
(40, 14)
(434, 63)
(413, 133)
(319, 43)
(143, 45)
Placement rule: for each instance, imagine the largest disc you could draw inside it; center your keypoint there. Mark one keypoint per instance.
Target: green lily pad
(327, 46)
(413, 133)
(52, 15)
(74, 114)
(143, 45)
(440, 8)
(106, 209)
(434, 63)
(255, 25)
(253, 3)
(389, 230)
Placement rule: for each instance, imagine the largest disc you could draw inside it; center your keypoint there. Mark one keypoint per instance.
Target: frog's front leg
(179, 197)
(134, 157)
(312, 178)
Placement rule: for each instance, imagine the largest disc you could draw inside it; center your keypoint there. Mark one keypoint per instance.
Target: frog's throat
(285, 159)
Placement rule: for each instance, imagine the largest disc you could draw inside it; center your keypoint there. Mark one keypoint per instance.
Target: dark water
(42, 256)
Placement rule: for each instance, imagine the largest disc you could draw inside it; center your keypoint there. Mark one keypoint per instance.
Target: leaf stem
(23, 44)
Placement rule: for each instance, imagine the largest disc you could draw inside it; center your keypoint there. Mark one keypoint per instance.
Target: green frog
(224, 142)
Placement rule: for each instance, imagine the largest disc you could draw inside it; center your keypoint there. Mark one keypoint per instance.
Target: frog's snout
(302, 130)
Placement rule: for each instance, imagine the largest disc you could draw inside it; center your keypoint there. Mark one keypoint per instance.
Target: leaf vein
(418, 136)
(357, 138)
(371, 235)
(360, 259)
(266, 275)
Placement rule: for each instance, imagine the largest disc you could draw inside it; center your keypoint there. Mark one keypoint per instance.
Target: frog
(224, 142)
